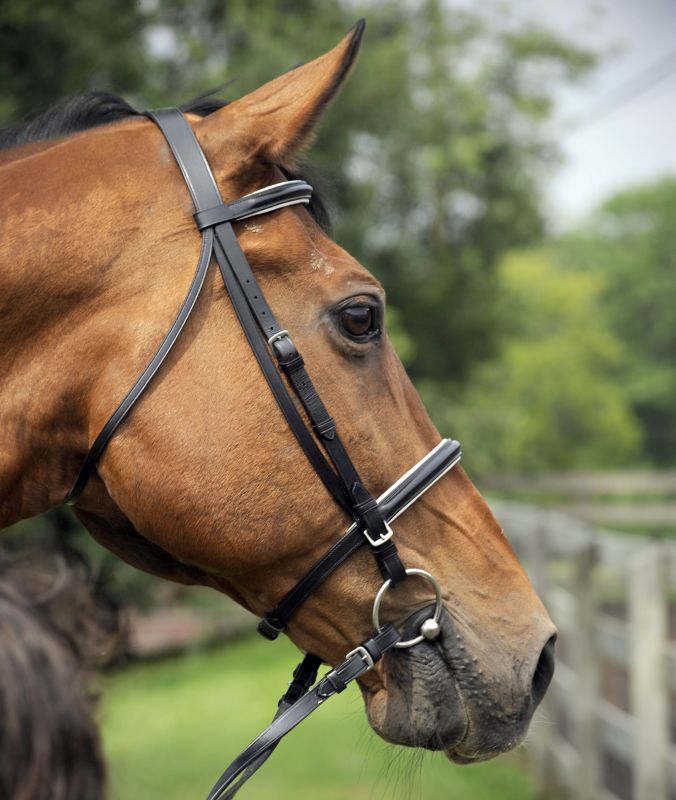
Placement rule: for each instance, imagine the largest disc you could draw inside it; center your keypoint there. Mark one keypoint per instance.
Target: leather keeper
(338, 685)
(326, 428)
(268, 630)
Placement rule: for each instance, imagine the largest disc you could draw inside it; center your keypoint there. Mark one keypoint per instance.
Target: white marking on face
(318, 261)
(253, 227)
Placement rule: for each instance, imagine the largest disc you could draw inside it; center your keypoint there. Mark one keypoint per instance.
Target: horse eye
(359, 322)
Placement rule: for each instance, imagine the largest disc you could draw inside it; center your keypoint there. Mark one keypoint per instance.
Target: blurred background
(508, 171)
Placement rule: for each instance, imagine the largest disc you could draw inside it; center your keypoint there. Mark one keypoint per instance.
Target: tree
(631, 243)
(550, 398)
(435, 150)
(48, 50)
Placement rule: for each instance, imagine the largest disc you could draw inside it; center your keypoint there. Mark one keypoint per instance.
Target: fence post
(585, 702)
(648, 584)
(538, 556)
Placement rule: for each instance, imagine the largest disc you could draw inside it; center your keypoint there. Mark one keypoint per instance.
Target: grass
(171, 727)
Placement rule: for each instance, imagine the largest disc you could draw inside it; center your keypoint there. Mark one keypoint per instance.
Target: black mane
(89, 110)
(78, 113)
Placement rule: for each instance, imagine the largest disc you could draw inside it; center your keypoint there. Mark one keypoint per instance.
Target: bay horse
(204, 483)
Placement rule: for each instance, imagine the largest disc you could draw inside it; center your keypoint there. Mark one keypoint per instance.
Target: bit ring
(421, 573)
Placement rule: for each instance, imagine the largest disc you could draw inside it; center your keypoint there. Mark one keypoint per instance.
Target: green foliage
(170, 729)
(586, 375)
(631, 243)
(445, 158)
(50, 49)
(550, 399)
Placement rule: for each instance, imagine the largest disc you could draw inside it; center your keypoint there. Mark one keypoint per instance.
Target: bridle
(275, 350)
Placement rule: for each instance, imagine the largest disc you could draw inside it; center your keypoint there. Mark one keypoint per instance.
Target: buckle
(364, 653)
(284, 349)
(385, 537)
(276, 336)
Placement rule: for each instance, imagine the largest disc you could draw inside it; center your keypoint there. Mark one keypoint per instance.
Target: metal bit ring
(421, 573)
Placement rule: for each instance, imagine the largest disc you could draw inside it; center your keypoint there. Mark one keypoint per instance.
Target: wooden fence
(645, 499)
(607, 728)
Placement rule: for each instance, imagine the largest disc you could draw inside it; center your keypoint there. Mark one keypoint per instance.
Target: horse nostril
(543, 672)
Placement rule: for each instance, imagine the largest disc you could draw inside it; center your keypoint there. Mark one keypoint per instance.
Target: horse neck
(61, 272)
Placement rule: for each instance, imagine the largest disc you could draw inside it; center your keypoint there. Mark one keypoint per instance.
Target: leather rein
(277, 355)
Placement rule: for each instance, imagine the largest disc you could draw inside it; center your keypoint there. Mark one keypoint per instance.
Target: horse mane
(55, 629)
(82, 112)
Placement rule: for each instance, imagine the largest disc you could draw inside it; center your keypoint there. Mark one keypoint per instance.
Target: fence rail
(606, 730)
(587, 484)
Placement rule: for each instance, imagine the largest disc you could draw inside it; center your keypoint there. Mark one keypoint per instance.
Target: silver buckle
(364, 653)
(389, 533)
(276, 336)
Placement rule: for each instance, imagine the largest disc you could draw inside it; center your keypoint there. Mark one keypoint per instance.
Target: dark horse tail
(53, 632)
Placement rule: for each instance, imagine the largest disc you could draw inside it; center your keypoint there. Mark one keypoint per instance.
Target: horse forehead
(290, 241)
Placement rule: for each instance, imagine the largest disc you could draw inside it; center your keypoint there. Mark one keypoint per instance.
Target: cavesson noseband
(275, 350)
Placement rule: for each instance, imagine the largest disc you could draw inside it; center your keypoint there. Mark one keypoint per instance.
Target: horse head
(204, 482)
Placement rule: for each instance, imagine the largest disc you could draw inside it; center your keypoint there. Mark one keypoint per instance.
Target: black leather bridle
(275, 350)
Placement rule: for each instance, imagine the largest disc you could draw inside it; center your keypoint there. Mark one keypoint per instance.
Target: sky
(610, 141)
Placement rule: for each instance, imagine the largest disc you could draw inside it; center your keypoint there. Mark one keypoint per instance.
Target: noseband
(275, 351)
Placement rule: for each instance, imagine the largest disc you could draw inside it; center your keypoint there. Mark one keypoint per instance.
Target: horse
(55, 628)
(204, 483)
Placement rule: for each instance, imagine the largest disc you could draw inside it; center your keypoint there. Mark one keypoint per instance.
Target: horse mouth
(423, 705)
(437, 697)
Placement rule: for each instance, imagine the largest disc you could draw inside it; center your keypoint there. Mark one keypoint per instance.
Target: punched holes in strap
(293, 364)
(365, 508)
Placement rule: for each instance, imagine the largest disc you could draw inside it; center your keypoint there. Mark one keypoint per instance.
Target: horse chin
(422, 705)
(435, 698)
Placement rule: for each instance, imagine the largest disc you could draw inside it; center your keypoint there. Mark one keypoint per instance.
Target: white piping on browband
(303, 200)
(265, 188)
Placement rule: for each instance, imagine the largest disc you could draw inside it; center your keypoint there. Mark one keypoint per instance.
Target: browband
(262, 201)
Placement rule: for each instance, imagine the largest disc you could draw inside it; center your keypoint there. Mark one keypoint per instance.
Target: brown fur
(204, 482)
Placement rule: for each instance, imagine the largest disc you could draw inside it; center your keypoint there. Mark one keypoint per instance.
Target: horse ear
(277, 120)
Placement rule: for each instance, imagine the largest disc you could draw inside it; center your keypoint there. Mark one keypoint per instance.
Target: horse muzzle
(456, 695)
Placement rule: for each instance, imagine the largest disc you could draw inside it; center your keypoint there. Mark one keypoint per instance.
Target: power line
(631, 89)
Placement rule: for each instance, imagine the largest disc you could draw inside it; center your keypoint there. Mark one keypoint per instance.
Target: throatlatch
(277, 354)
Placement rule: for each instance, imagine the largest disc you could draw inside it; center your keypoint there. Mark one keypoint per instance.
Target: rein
(274, 350)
